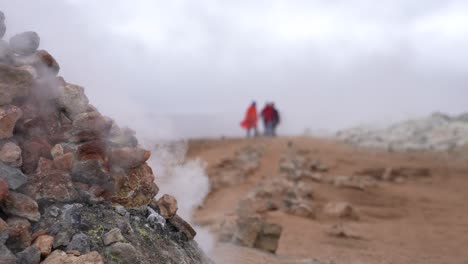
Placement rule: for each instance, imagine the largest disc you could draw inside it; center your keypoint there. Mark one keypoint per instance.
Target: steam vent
(74, 186)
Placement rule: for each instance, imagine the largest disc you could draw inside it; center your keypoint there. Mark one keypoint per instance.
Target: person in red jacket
(250, 120)
(268, 116)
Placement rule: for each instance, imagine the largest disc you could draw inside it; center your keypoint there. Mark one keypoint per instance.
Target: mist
(191, 68)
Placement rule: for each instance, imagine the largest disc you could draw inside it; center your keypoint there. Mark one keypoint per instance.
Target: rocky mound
(437, 132)
(67, 173)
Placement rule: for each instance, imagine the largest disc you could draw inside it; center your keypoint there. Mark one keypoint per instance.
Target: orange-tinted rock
(64, 162)
(44, 244)
(10, 154)
(93, 150)
(136, 189)
(8, 117)
(128, 157)
(55, 185)
(167, 205)
(33, 150)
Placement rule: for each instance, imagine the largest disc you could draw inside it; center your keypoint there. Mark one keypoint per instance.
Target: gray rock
(31, 255)
(73, 99)
(25, 43)
(123, 253)
(14, 177)
(79, 242)
(6, 257)
(112, 237)
(62, 239)
(120, 210)
(14, 83)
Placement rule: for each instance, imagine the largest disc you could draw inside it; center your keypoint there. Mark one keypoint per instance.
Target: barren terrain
(418, 220)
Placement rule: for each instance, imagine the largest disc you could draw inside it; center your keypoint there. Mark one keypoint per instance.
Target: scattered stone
(8, 117)
(182, 226)
(60, 257)
(341, 210)
(38, 233)
(64, 162)
(25, 43)
(167, 205)
(268, 238)
(341, 231)
(79, 242)
(31, 255)
(18, 204)
(112, 237)
(43, 63)
(44, 244)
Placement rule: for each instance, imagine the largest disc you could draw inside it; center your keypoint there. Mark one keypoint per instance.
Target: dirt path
(422, 221)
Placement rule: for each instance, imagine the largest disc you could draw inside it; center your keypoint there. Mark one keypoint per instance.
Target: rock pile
(438, 132)
(235, 170)
(62, 165)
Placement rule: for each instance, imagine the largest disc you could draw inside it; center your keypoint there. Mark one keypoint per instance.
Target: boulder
(31, 255)
(8, 117)
(167, 206)
(12, 176)
(44, 244)
(182, 226)
(73, 100)
(268, 238)
(19, 234)
(14, 83)
(60, 257)
(248, 230)
(113, 236)
(136, 188)
(17, 204)
(25, 43)
(64, 162)
(33, 150)
(10, 154)
(43, 63)
(128, 157)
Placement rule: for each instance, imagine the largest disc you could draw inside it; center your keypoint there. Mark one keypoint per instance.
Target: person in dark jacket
(276, 118)
(268, 119)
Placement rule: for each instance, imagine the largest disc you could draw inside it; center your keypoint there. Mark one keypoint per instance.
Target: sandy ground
(422, 221)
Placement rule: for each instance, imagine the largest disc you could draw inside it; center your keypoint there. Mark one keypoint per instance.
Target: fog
(190, 68)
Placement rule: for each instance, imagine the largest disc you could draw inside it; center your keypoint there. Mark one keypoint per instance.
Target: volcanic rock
(44, 244)
(25, 43)
(10, 154)
(14, 83)
(113, 236)
(167, 206)
(8, 117)
(60, 257)
(19, 236)
(12, 176)
(31, 255)
(18, 204)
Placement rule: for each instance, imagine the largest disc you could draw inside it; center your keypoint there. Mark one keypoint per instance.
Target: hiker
(276, 118)
(250, 120)
(268, 119)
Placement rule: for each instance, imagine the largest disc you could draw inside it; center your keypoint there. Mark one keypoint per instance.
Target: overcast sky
(326, 64)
